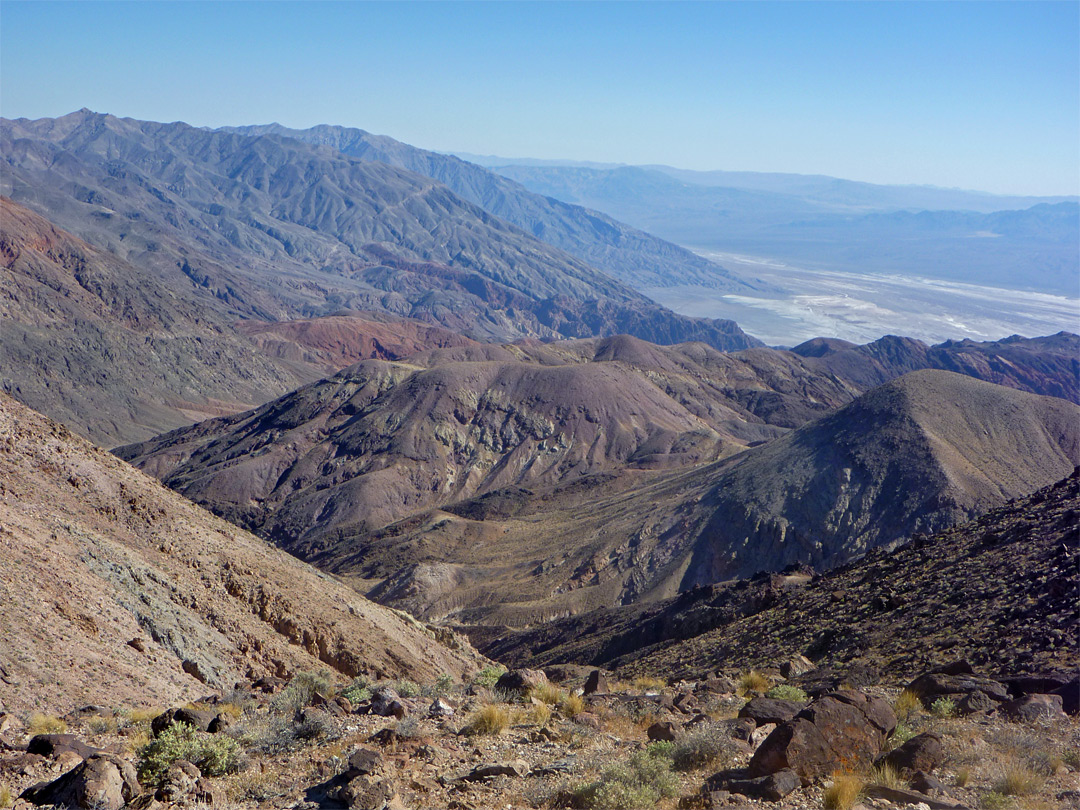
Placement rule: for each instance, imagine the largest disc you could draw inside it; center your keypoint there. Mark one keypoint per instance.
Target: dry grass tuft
(6, 799)
(572, 705)
(489, 719)
(963, 776)
(547, 693)
(886, 776)
(907, 705)
(1017, 779)
(752, 682)
(46, 724)
(843, 792)
(540, 714)
(648, 683)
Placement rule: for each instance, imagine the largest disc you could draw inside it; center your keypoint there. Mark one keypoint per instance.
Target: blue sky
(971, 94)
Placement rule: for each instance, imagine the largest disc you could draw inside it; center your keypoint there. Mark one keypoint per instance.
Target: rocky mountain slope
(547, 528)
(113, 352)
(999, 591)
(279, 229)
(632, 256)
(115, 590)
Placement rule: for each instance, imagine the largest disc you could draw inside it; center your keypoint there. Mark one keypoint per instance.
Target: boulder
(51, 746)
(198, 718)
(922, 753)
(772, 787)
(926, 783)
(1042, 683)
(764, 710)
(184, 784)
(369, 793)
(440, 709)
(820, 681)
(385, 702)
(521, 680)
(100, 782)
(975, 702)
(844, 729)
(363, 761)
(1033, 708)
(663, 730)
(596, 682)
(799, 665)
(720, 685)
(952, 684)
(517, 768)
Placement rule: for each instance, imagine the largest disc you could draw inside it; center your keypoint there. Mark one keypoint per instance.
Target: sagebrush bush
(406, 688)
(489, 719)
(943, 707)
(992, 800)
(843, 792)
(300, 692)
(45, 724)
(786, 691)
(640, 782)
(488, 676)
(358, 691)
(900, 735)
(442, 686)
(704, 745)
(213, 754)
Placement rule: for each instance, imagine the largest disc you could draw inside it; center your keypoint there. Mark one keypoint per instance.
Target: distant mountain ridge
(834, 224)
(632, 256)
(279, 229)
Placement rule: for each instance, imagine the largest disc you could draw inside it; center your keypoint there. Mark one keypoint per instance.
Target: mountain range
(1022, 243)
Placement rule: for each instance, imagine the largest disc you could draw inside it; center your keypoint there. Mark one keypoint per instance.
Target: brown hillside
(95, 554)
(1000, 591)
(925, 452)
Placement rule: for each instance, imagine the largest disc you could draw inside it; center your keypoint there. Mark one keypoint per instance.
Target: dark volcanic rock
(921, 753)
(772, 787)
(841, 729)
(764, 710)
(1033, 708)
(101, 782)
(53, 745)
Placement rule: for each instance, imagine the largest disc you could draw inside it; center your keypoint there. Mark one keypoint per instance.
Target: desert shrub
(647, 683)
(906, 705)
(314, 726)
(442, 686)
(572, 705)
(640, 782)
(661, 748)
(1017, 779)
(992, 800)
(214, 754)
(254, 784)
(1047, 763)
(488, 676)
(488, 719)
(406, 688)
(45, 724)
(900, 735)
(300, 692)
(272, 734)
(101, 725)
(547, 693)
(1072, 758)
(752, 682)
(358, 691)
(943, 707)
(843, 792)
(704, 745)
(786, 691)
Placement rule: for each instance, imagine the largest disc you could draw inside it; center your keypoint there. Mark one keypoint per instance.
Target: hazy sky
(971, 94)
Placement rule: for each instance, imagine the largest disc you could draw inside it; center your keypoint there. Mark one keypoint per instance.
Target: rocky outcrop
(841, 730)
(100, 782)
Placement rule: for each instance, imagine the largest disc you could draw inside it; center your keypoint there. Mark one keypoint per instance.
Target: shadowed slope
(1000, 592)
(95, 553)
